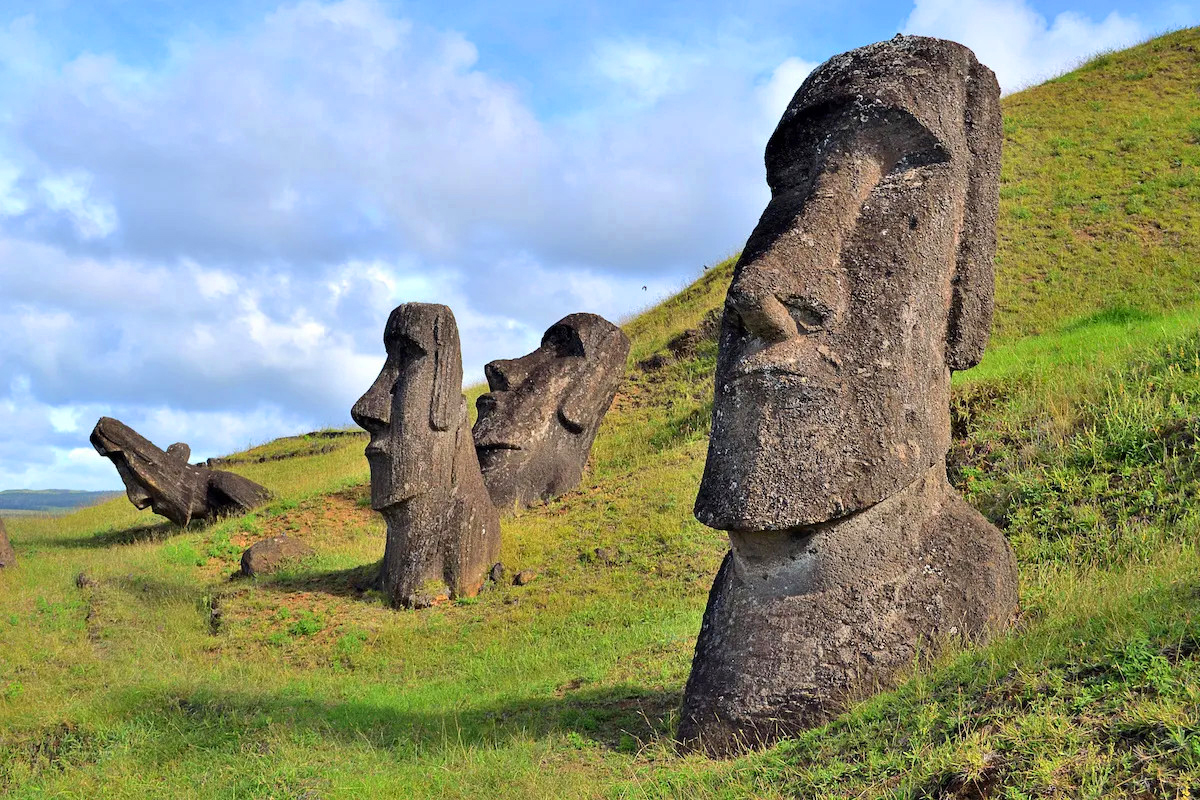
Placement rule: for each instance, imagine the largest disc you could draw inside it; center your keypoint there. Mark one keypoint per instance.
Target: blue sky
(207, 210)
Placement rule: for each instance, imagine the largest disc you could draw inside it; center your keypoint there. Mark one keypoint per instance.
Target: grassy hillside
(159, 675)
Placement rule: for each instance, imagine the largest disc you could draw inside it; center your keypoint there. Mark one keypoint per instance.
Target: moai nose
(373, 411)
(762, 315)
(503, 374)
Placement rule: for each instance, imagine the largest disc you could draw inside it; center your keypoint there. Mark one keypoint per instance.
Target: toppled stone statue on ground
(7, 556)
(867, 280)
(167, 483)
(537, 424)
(443, 531)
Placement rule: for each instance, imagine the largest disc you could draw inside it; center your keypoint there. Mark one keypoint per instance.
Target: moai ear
(974, 282)
(447, 374)
(573, 410)
(180, 452)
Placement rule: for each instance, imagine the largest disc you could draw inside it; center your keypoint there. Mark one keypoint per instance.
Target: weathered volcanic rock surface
(164, 480)
(269, 555)
(867, 280)
(443, 531)
(536, 426)
(7, 556)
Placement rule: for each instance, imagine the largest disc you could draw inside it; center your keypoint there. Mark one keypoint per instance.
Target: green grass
(161, 675)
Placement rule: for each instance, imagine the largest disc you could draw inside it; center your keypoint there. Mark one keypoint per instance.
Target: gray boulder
(536, 426)
(867, 280)
(269, 555)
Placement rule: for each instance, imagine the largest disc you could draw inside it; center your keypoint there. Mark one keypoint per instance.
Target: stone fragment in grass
(523, 577)
(536, 426)
(496, 573)
(270, 555)
(7, 556)
(425, 476)
(84, 581)
(866, 282)
(167, 483)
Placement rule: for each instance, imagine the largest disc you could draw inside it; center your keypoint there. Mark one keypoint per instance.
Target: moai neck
(866, 548)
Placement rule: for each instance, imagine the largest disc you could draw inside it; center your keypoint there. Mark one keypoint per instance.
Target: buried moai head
(425, 479)
(166, 482)
(537, 424)
(867, 280)
(415, 407)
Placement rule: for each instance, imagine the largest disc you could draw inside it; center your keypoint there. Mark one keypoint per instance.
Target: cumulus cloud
(208, 248)
(1017, 42)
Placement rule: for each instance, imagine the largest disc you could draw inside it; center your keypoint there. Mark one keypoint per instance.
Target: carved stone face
(855, 295)
(536, 425)
(413, 409)
(161, 480)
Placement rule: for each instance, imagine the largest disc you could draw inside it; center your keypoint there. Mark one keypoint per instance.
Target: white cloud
(209, 250)
(1017, 42)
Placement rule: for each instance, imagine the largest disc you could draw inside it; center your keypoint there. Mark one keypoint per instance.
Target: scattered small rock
(523, 577)
(84, 581)
(269, 555)
(496, 574)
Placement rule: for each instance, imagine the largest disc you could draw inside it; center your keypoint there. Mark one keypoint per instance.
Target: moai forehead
(868, 278)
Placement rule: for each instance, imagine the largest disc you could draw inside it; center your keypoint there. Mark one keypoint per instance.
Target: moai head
(162, 480)
(414, 409)
(536, 425)
(867, 280)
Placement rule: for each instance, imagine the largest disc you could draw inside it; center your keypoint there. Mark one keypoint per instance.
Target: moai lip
(867, 280)
(536, 426)
(443, 531)
(164, 480)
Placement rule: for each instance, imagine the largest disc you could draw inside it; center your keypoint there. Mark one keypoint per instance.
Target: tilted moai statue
(867, 280)
(537, 424)
(443, 534)
(165, 481)
(7, 556)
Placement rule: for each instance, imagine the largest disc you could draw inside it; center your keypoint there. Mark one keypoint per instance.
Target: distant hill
(50, 500)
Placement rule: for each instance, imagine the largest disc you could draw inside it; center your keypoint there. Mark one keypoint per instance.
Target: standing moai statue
(537, 424)
(7, 556)
(867, 280)
(443, 534)
(165, 481)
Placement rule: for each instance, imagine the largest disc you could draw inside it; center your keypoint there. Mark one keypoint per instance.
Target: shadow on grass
(140, 534)
(619, 718)
(353, 583)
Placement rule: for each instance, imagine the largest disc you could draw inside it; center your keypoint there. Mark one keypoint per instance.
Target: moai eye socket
(809, 315)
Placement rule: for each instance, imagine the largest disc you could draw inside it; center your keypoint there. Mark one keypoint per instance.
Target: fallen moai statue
(867, 280)
(443, 533)
(167, 483)
(7, 556)
(537, 424)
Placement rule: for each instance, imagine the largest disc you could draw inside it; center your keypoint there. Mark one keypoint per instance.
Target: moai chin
(443, 534)
(537, 424)
(867, 280)
(167, 483)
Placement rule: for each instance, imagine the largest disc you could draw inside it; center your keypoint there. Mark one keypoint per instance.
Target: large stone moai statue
(537, 424)
(867, 280)
(7, 556)
(165, 481)
(443, 534)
